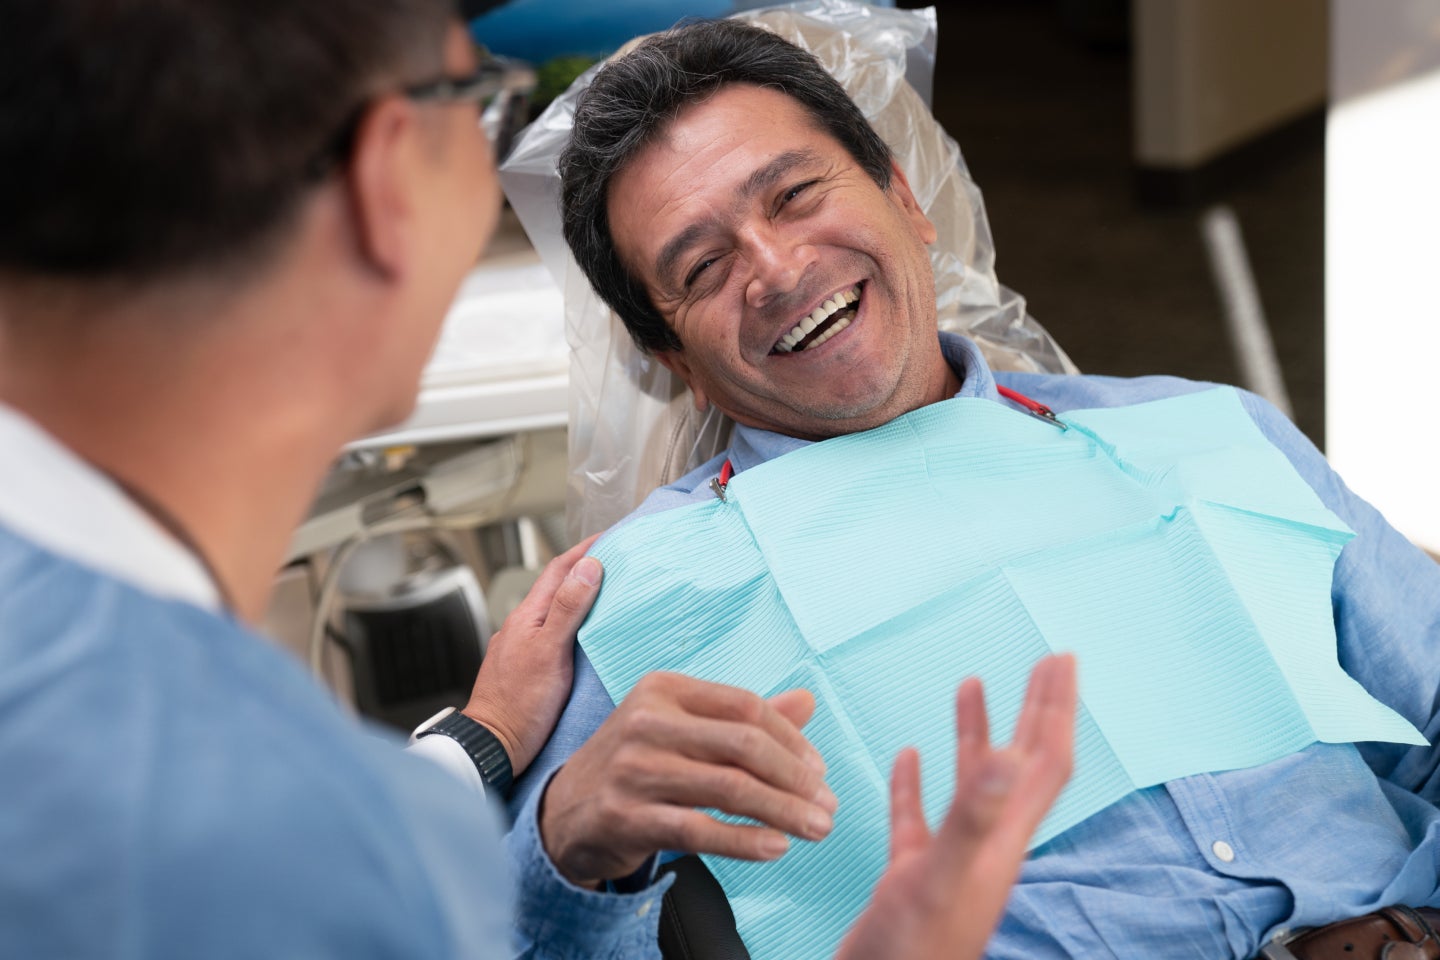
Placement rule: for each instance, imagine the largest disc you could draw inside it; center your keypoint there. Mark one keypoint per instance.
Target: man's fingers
(982, 793)
(1047, 719)
(746, 748)
(733, 704)
(679, 828)
(594, 831)
(1011, 790)
(688, 783)
(909, 832)
(797, 706)
(574, 597)
(972, 733)
(1049, 736)
(536, 606)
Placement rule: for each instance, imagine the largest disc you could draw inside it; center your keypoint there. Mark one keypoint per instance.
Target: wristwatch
(483, 747)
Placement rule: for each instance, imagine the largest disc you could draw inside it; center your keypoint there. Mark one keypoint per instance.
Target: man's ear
(381, 173)
(675, 362)
(900, 187)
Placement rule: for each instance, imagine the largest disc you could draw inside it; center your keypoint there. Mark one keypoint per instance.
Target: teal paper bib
(1168, 545)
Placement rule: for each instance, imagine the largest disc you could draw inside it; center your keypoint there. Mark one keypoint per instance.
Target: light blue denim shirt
(1208, 866)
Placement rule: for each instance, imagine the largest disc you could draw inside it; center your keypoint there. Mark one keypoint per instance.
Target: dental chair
(633, 426)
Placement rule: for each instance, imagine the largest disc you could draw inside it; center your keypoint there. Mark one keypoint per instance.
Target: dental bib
(1168, 545)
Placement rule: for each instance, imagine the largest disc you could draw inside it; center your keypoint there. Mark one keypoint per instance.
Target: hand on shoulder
(525, 677)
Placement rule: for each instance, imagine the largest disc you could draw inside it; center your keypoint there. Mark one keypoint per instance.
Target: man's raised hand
(943, 893)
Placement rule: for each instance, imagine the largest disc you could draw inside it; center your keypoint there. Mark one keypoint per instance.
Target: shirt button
(1223, 851)
(644, 908)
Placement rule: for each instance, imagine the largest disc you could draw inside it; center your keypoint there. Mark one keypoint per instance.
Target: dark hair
(633, 98)
(145, 138)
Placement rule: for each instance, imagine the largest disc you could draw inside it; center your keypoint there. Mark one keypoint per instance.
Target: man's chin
(390, 416)
(821, 424)
(857, 410)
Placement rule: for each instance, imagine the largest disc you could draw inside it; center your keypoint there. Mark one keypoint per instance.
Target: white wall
(1382, 258)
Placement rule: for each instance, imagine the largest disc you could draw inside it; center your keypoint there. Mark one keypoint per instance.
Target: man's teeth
(792, 340)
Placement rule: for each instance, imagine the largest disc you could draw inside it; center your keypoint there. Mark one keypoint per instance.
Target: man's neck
(952, 384)
(227, 459)
(943, 380)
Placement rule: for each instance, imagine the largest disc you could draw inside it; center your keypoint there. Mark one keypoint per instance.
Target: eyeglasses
(483, 87)
(479, 87)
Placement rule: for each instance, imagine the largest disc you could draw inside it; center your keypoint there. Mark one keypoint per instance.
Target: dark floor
(1039, 99)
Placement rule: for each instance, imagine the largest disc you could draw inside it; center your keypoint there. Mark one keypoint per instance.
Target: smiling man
(798, 284)
(731, 204)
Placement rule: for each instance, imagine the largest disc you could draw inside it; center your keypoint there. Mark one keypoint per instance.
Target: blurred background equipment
(414, 624)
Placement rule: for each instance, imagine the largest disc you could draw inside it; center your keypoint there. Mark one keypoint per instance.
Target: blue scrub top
(176, 786)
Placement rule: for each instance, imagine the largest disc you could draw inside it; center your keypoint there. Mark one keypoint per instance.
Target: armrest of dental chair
(696, 922)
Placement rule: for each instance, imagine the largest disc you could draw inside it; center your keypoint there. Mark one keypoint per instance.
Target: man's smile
(822, 323)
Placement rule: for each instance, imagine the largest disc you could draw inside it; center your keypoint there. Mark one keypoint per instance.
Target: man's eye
(699, 269)
(796, 190)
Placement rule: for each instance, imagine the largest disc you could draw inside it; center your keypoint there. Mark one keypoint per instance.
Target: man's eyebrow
(675, 248)
(758, 182)
(766, 177)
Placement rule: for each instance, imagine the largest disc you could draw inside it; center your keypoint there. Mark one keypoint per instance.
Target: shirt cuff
(450, 757)
(555, 918)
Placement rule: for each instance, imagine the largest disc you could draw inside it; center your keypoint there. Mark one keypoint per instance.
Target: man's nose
(778, 263)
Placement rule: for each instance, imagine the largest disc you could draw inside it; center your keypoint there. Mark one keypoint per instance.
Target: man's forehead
(742, 152)
(727, 116)
(738, 106)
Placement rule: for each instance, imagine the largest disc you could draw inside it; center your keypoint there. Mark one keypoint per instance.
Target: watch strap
(483, 747)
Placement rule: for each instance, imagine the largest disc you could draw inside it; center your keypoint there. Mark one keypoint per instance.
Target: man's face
(801, 291)
(457, 199)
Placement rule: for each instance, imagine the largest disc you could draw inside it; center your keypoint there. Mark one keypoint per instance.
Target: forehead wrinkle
(758, 182)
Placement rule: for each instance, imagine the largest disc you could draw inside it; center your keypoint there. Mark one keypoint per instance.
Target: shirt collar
(750, 446)
(58, 501)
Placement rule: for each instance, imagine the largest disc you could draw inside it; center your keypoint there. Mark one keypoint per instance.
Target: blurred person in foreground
(231, 232)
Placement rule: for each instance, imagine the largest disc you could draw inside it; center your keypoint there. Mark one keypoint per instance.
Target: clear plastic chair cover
(632, 424)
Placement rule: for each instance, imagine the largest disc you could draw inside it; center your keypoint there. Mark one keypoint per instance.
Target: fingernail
(587, 571)
(774, 845)
(826, 798)
(816, 761)
(818, 826)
